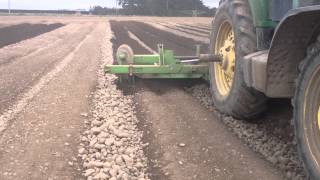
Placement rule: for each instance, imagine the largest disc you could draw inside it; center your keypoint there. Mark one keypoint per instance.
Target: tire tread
(312, 51)
(248, 103)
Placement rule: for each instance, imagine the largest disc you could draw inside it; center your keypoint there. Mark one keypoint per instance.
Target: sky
(69, 4)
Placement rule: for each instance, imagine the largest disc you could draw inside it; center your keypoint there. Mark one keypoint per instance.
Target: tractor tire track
(153, 36)
(187, 31)
(197, 37)
(121, 36)
(198, 30)
(198, 27)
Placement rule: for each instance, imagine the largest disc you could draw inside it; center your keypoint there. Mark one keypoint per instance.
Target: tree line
(157, 8)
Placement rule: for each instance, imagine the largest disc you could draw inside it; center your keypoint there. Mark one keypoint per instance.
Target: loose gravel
(280, 152)
(111, 147)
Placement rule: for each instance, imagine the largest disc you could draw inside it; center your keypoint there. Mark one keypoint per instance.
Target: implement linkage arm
(161, 65)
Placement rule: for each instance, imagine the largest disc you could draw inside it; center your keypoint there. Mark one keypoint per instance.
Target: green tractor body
(284, 30)
(286, 64)
(267, 13)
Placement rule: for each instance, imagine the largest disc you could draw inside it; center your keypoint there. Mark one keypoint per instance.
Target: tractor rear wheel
(233, 36)
(307, 111)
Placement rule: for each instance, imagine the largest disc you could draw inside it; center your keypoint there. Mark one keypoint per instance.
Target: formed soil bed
(16, 33)
(152, 36)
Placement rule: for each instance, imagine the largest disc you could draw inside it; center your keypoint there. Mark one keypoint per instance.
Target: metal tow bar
(162, 65)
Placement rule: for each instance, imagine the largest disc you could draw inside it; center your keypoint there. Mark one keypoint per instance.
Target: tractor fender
(295, 32)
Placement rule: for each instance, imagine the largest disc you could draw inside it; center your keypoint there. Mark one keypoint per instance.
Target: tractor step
(255, 70)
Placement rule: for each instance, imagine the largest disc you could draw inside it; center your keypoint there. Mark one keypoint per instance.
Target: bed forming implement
(164, 65)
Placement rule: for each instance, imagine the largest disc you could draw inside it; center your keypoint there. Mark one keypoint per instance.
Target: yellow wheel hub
(224, 71)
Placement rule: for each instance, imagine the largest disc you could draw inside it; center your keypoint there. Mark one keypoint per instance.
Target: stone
(96, 123)
(113, 172)
(128, 160)
(121, 134)
(89, 172)
(119, 161)
(109, 141)
(100, 176)
(82, 150)
(84, 114)
(107, 165)
(96, 130)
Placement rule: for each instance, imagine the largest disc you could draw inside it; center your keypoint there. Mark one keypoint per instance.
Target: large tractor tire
(233, 36)
(307, 111)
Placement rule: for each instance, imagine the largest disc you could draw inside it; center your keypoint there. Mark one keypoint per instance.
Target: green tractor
(259, 49)
(270, 49)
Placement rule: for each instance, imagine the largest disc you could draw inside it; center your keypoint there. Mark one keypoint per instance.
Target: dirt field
(16, 33)
(61, 118)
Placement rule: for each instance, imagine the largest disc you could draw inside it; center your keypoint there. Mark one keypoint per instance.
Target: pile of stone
(111, 147)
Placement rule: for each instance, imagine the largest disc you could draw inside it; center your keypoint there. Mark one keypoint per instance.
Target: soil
(187, 30)
(19, 73)
(152, 36)
(16, 33)
(46, 88)
(209, 151)
(199, 27)
(40, 142)
(205, 32)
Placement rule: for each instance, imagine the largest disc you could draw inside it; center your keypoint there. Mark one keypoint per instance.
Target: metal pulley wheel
(125, 55)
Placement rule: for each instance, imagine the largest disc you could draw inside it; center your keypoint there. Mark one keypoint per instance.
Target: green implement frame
(163, 65)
